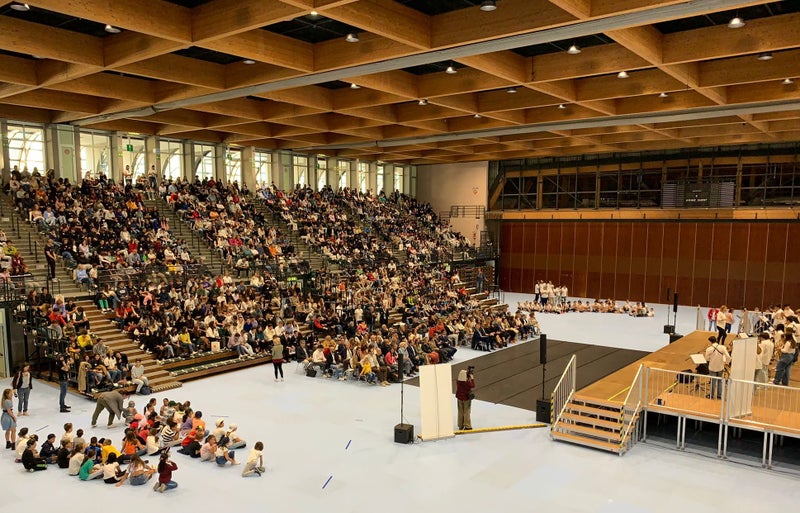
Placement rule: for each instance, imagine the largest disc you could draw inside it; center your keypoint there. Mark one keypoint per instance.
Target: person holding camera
(64, 366)
(464, 397)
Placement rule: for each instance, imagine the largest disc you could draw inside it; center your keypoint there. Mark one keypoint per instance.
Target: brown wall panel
(736, 263)
(684, 276)
(702, 264)
(579, 283)
(595, 260)
(622, 268)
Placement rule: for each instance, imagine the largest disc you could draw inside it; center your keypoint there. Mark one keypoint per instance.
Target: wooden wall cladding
(742, 264)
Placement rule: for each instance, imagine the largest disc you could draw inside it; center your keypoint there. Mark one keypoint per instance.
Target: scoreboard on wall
(697, 195)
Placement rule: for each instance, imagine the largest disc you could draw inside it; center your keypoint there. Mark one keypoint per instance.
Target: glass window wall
(95, 155)
(171, 153)
(26, 148)
(203, 161)
(262, 167)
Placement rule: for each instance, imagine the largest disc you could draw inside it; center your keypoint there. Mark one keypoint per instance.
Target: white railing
(763, 406)
(685, 394)
(631, 408)
(562, 393)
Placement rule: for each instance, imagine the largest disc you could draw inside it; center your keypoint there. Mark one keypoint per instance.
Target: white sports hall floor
(307, 424)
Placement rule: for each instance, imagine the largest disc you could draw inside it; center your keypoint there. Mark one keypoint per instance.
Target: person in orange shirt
(198, 424)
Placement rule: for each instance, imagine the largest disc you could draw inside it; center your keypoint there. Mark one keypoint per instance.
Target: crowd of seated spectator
(230, 224)
(97, 225)
(638, 309)
(349, 226)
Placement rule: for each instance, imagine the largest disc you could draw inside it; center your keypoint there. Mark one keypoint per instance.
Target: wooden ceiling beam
(110, 86)
(57, 101)
(152, 17)
(225, 18)
(513, 17)
(388, 19)
(53, 43)
(762, 35)
(183, 70)
(595, 60)
(396, 82)
(267, 47)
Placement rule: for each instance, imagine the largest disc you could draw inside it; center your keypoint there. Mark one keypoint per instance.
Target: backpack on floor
(145, 390)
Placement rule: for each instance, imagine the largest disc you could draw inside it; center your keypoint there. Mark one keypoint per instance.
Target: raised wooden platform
(673, 357)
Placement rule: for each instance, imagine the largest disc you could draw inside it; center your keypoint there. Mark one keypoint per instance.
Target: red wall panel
(736, 263)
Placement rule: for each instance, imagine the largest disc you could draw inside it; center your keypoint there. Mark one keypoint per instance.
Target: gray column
(187, 173)
(372, 178)
(5, 163)
(220, 161)
(248, 168)
(152, 156)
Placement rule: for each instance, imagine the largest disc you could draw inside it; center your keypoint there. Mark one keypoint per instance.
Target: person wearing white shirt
(255, 461)
(788, 346)
(717, 356)
(766, 348)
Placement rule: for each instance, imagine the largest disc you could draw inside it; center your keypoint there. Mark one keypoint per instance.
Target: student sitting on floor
(30, 457)
(89, 470)
(223, 455)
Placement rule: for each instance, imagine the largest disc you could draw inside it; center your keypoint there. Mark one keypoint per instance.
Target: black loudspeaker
(543, 349)
(669, 329)
(404, 433)
(675, 303)
(543, 411)
(673, 337)
(400, 366)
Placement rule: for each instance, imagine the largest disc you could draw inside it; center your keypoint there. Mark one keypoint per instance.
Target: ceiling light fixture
(477, 116)
(511, 90)
(488, 5)
(622, 74)
(736, 22)
(765, 56)
(248, 61)
(352, 37)
(19, 6)
(663, 95)
(422, 101)
(314, 13)
(562, 106)
(112, 30)
(574, 50)
(787, 81)
(451, 70)
(355, 86)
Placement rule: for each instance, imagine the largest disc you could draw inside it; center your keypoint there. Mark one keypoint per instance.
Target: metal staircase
(601, 424)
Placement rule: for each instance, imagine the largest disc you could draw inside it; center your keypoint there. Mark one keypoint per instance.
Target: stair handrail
(562, 393)
(632, 405)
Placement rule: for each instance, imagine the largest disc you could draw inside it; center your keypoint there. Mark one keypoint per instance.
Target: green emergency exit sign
(129, 147)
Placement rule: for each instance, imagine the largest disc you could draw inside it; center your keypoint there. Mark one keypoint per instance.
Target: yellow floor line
(620, 392)
(499, 428)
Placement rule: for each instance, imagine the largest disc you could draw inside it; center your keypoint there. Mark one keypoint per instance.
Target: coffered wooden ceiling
(178, 69)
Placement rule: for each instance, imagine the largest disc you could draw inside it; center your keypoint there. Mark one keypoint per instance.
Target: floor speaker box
(673, 337)
(404, 433)
(669, 328)
(543, 411)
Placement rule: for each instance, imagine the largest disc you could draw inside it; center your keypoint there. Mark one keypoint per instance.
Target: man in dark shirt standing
(64, 365)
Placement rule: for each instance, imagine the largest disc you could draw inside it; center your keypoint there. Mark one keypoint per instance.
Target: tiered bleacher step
(38, 270)
(593, 423)
(201, 365)
(101, 325)
(197, 246)
(315, 259)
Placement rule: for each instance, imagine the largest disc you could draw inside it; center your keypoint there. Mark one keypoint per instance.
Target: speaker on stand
(403, 433)
(543, 405)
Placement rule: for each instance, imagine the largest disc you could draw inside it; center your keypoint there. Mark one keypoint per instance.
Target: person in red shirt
(165, 469)
(464, 396)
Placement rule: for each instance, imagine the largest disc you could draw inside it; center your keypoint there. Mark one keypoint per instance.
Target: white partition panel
(436, 401)
(743, 367)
